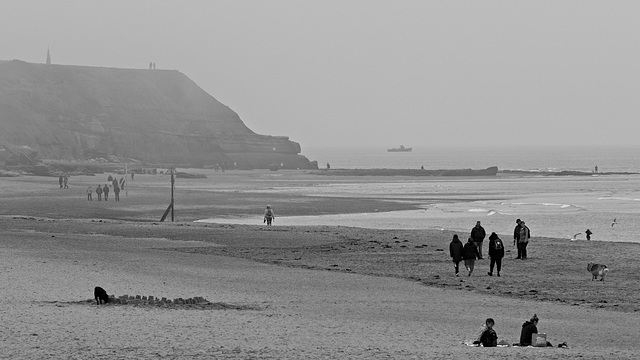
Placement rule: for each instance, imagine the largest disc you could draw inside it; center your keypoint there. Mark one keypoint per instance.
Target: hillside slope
(80, 112)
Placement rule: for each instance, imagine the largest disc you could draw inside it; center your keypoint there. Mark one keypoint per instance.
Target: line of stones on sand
(151, 300)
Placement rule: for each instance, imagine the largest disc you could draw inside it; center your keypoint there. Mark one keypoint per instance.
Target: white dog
(597, 270)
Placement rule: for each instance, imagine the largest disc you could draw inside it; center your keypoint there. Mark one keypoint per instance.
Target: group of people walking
(104, 190)
(472, 250)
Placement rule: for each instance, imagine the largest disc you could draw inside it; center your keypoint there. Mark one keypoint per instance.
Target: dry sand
(299, 293)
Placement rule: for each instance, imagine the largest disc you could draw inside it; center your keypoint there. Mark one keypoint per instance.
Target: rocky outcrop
(159, 116)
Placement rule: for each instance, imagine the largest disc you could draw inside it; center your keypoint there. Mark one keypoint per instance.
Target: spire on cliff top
(48, 57)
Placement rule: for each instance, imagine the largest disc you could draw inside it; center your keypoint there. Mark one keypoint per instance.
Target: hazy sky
(371, 73)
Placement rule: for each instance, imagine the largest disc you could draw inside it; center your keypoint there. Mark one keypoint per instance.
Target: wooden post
(173, 182)
(170, 207)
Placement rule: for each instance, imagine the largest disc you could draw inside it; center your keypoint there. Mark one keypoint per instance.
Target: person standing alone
(269, 215)
(478, 234)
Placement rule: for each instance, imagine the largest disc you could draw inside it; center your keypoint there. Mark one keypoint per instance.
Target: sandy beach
(283, 292)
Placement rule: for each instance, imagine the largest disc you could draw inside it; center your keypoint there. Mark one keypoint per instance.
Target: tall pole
(170, 207)
(126, 173)
(173, 182)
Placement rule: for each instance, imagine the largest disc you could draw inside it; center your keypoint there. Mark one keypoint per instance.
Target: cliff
(158, 116)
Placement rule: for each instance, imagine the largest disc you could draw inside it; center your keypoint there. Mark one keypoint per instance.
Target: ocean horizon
(524, 158)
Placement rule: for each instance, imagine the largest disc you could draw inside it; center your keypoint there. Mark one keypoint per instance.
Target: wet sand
(302, 292)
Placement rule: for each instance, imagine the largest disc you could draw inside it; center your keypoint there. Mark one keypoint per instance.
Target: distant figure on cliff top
(268, 215)
(328, 166)
(150, 65)
(588, 232)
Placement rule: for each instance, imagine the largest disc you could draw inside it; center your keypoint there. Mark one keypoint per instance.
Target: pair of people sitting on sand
(489, 338)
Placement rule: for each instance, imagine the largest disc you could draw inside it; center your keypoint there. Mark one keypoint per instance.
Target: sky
(340, 73)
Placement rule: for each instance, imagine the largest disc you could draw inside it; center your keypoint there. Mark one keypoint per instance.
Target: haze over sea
(552, 206)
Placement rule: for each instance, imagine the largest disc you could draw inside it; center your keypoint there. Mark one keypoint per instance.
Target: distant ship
(400, 149)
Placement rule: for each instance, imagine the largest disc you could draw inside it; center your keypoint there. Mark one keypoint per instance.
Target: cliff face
(161, 116)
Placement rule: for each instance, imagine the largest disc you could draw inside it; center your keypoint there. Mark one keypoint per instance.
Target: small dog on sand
(597, 270)
(100, 295)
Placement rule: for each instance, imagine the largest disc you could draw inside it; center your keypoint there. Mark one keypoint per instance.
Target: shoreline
(322, 291)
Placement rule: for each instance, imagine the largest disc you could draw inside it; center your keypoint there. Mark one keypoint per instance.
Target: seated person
(489, 338)
(528, 329)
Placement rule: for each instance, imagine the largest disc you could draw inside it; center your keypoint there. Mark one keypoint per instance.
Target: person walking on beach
(478, 234)
(269, 216)
(496, 253)
(523, 240)
(455, 250)
(105, 191)
(99, 192)
(89, 192)
(470, 254)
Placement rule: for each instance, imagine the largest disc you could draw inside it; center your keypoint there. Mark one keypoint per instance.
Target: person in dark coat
(528, 329)
(99, 192)
(478, 234)
(489, 338)
(455, 250)
(516, 237)
(116, 191)
(523, 240)
(470, 254)
(105, 191)
(496, 253)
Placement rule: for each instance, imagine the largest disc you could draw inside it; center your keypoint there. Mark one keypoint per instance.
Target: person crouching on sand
(470, 254)
(455, 250)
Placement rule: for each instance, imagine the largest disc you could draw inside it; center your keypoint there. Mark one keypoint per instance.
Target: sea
(562, 207)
